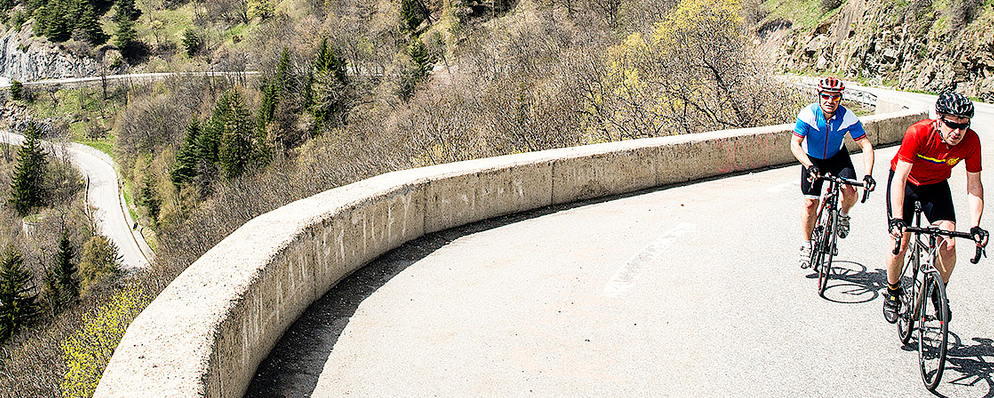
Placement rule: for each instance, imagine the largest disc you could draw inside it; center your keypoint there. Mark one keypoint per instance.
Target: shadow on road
(295, 364)
(850, 283)
(968, 365)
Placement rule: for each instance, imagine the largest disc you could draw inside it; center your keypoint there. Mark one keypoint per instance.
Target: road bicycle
(825, 232)
(924, 302)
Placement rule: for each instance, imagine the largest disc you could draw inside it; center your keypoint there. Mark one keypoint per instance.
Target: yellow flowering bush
(693, 72)
(87, 351)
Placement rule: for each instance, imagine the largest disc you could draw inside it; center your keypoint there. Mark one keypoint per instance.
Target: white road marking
(632, 270)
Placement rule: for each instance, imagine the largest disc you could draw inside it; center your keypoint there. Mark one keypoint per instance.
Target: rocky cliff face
(27, 58)
(912, 45)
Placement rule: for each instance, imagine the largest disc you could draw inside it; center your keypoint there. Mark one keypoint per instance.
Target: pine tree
(192, 41)
(412, 14)
(236, 149)
(209, 142)
(125, 10)
(89, 24)
(16, 90)
(126, 35)
(100, 258)
(329, 87)
(421, 57)
(149, 198)
(185, 168)
(267, 109)
(18, 302)
(65, 277)
(328, 61)
(26, 186)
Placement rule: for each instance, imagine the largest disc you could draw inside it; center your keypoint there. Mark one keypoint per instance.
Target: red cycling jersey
(932, 160)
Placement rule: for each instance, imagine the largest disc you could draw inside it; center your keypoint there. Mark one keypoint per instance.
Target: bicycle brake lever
(980, 251)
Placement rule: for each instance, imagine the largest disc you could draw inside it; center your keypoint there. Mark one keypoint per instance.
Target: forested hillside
(349, 89)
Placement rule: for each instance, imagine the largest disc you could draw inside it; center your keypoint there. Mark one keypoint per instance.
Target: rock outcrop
(27, 58)
(911, 45)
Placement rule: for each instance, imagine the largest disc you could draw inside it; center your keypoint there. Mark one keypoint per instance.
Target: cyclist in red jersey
(919, 172)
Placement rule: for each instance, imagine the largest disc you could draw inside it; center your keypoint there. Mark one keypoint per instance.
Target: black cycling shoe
(892, 304)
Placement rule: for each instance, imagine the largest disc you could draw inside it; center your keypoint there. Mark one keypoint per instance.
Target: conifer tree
(18, 302)
(16, 90)
(26, 186)
(65, 276)
(89, 24)
(412, 14)
(125, 35)
(236, 147)
(185, 168)
(328, 61)
(125, 10)
(209, 141)
(149, 198)
(100, 257)
(329, 87)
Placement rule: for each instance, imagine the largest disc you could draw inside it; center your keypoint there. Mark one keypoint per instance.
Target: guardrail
(207, 332)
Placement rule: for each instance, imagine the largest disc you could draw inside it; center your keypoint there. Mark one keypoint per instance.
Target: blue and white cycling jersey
(823, 139)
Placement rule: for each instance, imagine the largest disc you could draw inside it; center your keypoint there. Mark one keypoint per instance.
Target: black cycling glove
(898, 224)
(979, 234)
(813, 173)
(869, 182)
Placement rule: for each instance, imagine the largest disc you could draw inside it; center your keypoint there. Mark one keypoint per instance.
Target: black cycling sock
(893, 287)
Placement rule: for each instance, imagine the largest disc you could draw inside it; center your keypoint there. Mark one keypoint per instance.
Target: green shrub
(100, 258)
(192, 41)
(16, 90)
(87, 351)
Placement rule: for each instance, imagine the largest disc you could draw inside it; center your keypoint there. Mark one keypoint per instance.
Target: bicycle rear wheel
(933, 329)
(827, 249)
(906, 314)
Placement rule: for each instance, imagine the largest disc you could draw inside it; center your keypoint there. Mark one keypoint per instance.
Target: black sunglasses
(954, 125)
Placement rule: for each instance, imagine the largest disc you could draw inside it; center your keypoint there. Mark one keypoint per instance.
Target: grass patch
(104, 146)
(805, 14)
(127, 203)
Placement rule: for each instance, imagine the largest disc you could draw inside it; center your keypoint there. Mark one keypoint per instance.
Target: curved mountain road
(103, 194)
(683, 291)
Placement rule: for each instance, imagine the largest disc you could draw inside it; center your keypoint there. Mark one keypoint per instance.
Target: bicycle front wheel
(933, 329)
(824, 266)
(906, 314)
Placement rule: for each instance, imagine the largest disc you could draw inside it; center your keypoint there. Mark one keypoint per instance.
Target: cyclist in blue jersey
(818, 144)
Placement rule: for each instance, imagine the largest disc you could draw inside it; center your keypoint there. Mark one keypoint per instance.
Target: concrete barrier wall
(207, 332)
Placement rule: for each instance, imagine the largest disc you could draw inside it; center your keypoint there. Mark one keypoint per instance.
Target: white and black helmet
(955, 104)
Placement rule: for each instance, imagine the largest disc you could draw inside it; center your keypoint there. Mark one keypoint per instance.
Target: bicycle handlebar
(845, 181)
(939, 231)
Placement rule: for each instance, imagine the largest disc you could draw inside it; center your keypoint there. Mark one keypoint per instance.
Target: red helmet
(831, 85)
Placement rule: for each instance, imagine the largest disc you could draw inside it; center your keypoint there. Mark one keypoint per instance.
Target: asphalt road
(683, 291)
(105, 198)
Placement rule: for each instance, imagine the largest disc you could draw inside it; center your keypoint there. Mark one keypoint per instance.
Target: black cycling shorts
(839, 165)
(936, 200)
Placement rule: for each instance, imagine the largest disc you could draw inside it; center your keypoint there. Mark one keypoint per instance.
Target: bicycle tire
(933, 330)
(828, 251)
(909, 275)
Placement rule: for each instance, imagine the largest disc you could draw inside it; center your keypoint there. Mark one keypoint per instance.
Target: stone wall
(207, 332)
